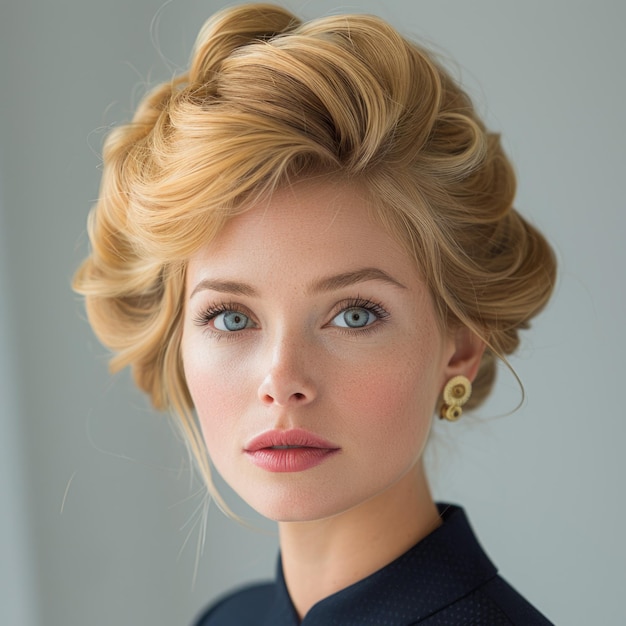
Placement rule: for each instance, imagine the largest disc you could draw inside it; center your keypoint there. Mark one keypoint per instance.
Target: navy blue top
(444, 580)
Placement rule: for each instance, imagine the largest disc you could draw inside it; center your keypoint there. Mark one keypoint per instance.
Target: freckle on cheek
(382, 399)
(391, 401)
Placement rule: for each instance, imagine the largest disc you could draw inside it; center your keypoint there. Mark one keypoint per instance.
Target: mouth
(293, 450)
(287, 440)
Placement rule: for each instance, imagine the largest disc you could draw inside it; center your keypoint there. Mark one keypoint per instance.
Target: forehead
(309, 226)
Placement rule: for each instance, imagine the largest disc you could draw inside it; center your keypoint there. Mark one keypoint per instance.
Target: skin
(295, 362)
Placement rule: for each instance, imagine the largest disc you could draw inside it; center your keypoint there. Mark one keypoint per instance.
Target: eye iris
(356, 317)
(235, 321)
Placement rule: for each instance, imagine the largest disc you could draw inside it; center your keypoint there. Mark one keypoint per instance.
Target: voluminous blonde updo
(267, 100)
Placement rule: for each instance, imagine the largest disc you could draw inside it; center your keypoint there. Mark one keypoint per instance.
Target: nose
(287, 380)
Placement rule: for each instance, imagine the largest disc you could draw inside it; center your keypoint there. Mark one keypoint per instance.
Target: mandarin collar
(446, 565)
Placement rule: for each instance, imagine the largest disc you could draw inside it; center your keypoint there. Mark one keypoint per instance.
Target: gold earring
(455, 394)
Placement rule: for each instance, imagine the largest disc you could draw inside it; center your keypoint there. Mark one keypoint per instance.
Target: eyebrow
(346, 279)
(225, 286)
(329, 283)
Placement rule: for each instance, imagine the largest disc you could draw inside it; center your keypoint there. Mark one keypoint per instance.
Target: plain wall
(96, 490)
(18, 604)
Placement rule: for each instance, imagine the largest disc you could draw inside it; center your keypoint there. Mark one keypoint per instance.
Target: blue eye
(230, 321)
(354, 317)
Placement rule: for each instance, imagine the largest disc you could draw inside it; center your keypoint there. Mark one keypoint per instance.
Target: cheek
(217, 391)
(393, 405)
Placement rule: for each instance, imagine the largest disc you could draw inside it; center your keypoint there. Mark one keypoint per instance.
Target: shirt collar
(443, 567)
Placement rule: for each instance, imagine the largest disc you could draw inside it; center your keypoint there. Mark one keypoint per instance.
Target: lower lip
(290, 459)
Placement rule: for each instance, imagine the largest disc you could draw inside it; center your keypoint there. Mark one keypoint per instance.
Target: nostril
(299, 396)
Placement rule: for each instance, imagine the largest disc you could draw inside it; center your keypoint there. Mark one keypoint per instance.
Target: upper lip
(293, 437)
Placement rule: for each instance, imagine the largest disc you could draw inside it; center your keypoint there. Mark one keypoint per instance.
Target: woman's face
(312, 353)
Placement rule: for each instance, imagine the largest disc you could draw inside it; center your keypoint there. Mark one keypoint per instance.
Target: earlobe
(455, 394)
(468, 353)
(460, 371)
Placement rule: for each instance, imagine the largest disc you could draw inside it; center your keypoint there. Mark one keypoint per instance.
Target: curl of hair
(266, 100)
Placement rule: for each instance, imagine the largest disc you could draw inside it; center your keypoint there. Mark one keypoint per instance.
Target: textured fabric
(444, 580)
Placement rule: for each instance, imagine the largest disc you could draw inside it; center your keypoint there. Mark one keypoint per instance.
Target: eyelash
(209, 314)
(369, 305)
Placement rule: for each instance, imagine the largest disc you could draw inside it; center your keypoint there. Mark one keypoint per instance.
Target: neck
(324, 556)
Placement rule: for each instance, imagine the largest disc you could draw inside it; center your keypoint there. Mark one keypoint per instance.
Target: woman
(308, 241)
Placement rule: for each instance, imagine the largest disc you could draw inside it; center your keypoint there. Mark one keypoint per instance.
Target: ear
(467, 354)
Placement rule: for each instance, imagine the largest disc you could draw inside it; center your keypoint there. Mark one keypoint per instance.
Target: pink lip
(306, 450)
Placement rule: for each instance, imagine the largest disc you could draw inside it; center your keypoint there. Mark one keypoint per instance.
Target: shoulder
(469, 589)
(495, 603)
(241, 607)
(511, 603)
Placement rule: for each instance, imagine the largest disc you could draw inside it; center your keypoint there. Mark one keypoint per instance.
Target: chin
(290, 507)
(293, 511)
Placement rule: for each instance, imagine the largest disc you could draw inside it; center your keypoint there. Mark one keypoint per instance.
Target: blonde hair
(266, 100)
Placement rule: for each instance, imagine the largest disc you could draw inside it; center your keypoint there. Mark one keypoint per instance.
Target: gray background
(96, 493)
